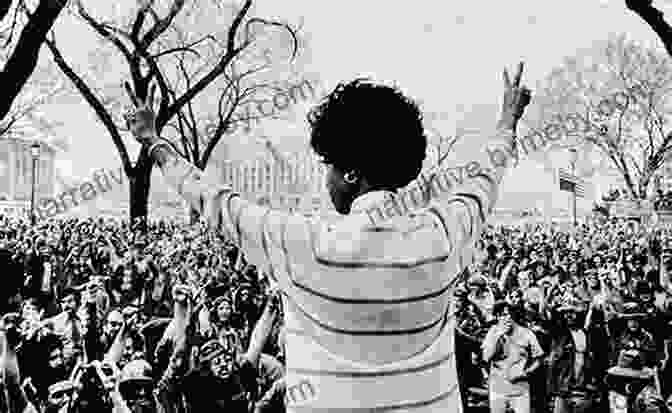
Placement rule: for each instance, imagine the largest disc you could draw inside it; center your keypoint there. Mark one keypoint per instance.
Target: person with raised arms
(368, 315)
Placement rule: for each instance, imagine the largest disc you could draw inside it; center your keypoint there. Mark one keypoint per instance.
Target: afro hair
(372, 129)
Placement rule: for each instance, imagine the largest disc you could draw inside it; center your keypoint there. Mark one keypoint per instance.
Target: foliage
(614, 98)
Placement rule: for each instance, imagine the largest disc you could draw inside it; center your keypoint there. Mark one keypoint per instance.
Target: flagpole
(573, 159)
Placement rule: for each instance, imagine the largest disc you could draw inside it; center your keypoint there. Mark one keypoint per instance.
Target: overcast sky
(449, 54)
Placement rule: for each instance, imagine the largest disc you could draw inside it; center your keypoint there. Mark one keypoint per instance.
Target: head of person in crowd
(136, 386)
(217, 359)
(70, 301)
(524, 280)
(133, 347)
(477, 285)
(571, 311)
(132, 316)
(592, 280)
(644, 292)
(347, 137)
(633, 314)
(222, 310)
(516, 297)
(32, 310)
(113, 323)
(507, 314)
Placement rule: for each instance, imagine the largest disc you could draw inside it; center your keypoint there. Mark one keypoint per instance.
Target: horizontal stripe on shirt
(451, 393)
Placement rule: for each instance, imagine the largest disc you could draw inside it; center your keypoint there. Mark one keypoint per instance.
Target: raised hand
(140, 119)
(516, 98)
(182, 293)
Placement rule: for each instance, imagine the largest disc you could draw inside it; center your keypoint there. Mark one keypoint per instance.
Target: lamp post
(35, 153)
(573, 156)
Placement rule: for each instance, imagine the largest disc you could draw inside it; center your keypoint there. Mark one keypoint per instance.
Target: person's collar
(368, 200)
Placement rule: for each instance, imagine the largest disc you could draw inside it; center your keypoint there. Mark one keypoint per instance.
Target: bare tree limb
(95, 103)
(21, 64)
(654, 18)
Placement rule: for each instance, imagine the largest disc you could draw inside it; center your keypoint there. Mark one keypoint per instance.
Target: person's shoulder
(400, 240)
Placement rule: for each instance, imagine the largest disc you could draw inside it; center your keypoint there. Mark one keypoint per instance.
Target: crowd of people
(100, 316)
(561, 320)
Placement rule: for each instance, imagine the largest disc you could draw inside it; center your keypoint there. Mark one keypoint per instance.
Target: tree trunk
(139, 184)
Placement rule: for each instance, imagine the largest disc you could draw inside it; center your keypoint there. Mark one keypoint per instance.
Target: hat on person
(478, 280)
(632, 310)
(217, 301)
(136, 370)
(631, 365)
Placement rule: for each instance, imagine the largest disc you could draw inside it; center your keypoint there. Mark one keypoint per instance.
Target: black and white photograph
(316, 206)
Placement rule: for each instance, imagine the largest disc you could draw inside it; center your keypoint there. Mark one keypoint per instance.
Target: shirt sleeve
(263, 234)
(463, 196)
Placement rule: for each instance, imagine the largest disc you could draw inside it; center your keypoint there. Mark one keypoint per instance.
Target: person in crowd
(634, 336)
(573, 374)
(513, 354)
(309, 259)
(68, 326)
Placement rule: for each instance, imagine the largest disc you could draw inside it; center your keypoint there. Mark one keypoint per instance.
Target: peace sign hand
(140, 119)
(516, 98)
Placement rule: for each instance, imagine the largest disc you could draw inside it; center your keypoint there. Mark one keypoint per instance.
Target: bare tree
(20, 54)
(613, 98)
(42, 88)
(206, 62)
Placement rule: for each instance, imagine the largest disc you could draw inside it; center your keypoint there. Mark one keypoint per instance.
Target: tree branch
(21, 64)
(95, 103)
(162, 25)
(654, 18)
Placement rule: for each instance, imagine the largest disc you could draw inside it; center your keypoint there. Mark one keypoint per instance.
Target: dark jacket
(561, 363)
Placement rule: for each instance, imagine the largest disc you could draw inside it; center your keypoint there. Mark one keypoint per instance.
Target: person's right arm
(465, 205)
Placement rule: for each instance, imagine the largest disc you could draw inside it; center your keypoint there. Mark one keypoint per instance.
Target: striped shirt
(368, 315)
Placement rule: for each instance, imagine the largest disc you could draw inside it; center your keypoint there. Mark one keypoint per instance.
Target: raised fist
(182, 293)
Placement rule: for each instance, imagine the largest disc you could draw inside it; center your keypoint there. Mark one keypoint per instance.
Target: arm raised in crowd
(14, 397)
(255, 229)
(177, 331)
(262, 329)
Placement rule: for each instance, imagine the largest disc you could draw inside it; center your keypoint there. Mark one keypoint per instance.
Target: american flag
(571, 183)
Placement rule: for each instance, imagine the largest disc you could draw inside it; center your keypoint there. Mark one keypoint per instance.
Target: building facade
(16, 170)
(296, 183)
